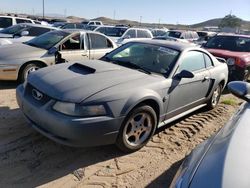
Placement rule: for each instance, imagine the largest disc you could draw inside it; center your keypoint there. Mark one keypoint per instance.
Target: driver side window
(73, 43)
(192, 61)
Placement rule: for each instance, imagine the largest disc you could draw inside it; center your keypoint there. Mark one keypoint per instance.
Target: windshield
(48, 40)
(13, 29)
(231, 43)
(174, 34)
(153, 58)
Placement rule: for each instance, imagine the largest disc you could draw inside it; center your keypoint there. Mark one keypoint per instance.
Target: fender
(138, 98)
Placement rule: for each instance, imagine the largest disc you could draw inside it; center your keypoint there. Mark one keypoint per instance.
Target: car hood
(19, 51)
(2, 35)
(226, 53)
(74, 82)
(226, 164)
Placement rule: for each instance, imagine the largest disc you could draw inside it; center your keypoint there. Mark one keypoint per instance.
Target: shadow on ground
(166, 178)
(28, 159)
(8, 84)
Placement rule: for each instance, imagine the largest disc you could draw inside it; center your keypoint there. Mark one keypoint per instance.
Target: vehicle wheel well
(222, 83)
(152, 103)
(40, 63)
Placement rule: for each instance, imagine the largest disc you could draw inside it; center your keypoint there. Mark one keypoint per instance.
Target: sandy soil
(28, 159)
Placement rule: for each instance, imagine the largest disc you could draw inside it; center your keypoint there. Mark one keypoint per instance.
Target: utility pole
(114, 15)
(43, 9)
(140, 20)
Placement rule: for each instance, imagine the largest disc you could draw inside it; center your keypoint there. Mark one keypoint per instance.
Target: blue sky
(175, 11)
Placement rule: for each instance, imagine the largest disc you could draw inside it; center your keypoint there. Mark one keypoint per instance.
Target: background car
(158, 32)
(18, 60)
(92, 22)
(123, 97)
(235, 49)
(113, 32)
(7, 21)
(204, 36)
(189, 36)
(223, 160)
(133, 34)
(22, 32)
(72, 26)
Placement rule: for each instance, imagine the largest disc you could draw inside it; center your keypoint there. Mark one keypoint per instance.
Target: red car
(235, 49)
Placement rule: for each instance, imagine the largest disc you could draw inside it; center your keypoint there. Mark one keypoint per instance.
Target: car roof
(38, 25)
(182, 31)
(233, 35)
(15, 17)
(180, 46)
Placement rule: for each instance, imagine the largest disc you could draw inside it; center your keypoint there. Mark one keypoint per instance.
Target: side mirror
(25, 33)
(240, 89)
(185, 74)
(53, 50)
(127, 37)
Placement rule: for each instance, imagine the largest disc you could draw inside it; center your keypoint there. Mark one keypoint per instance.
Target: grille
(29, 93)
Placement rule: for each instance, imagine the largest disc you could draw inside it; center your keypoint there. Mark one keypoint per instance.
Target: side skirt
(180, 115)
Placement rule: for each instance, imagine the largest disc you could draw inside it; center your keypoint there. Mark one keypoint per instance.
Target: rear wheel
(215, 98)
(27, 70)
(137, 129)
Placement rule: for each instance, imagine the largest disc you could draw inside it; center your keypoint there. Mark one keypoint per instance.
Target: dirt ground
(28, 159)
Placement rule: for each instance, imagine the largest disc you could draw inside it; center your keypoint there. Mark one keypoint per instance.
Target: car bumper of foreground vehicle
(72, 131)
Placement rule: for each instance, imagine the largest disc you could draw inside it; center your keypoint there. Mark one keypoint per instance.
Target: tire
(26, 70)
(215, 98)
(137, 129)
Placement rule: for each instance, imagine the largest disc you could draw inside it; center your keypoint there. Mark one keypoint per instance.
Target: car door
(99, 45)
(73, 48)
(187, 93)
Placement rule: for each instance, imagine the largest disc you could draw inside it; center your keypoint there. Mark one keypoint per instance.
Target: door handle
(84, 55)
(206, 78)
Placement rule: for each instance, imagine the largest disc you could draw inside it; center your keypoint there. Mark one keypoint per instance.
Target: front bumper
(72, 131)
(236, 73)
(8, 72)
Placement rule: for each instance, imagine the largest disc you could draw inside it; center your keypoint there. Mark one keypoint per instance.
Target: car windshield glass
(231, 43)
(13, 29)
(47, 40)
(153, 58)
(174, 34)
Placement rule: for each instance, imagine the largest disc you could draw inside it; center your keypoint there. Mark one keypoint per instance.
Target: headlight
(73, 109)
(230, 61)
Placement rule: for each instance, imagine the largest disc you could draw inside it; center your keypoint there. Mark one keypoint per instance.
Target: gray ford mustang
(123, 97)
(223, 160)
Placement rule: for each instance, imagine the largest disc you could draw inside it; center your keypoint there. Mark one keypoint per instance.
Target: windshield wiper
(130, 65)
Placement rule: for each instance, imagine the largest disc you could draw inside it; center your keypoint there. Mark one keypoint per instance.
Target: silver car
(18, 60)
(123, 97)
(23, 32)
(223, 160)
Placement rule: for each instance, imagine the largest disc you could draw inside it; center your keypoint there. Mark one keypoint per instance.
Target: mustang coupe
(123, 97)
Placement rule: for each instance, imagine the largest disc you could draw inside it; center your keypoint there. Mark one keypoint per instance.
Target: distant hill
(216, 22)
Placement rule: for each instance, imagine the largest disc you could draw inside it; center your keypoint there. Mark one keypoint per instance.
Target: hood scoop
(81, 69)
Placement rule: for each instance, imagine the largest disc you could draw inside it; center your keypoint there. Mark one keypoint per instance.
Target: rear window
(5, 22)
(174, 34)
(143, 34)
(36, 31)
(22, 21)
(231, 43)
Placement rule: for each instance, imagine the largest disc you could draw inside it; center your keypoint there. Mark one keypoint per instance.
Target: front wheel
(27, 70)
(137, 129)
(215, 98)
